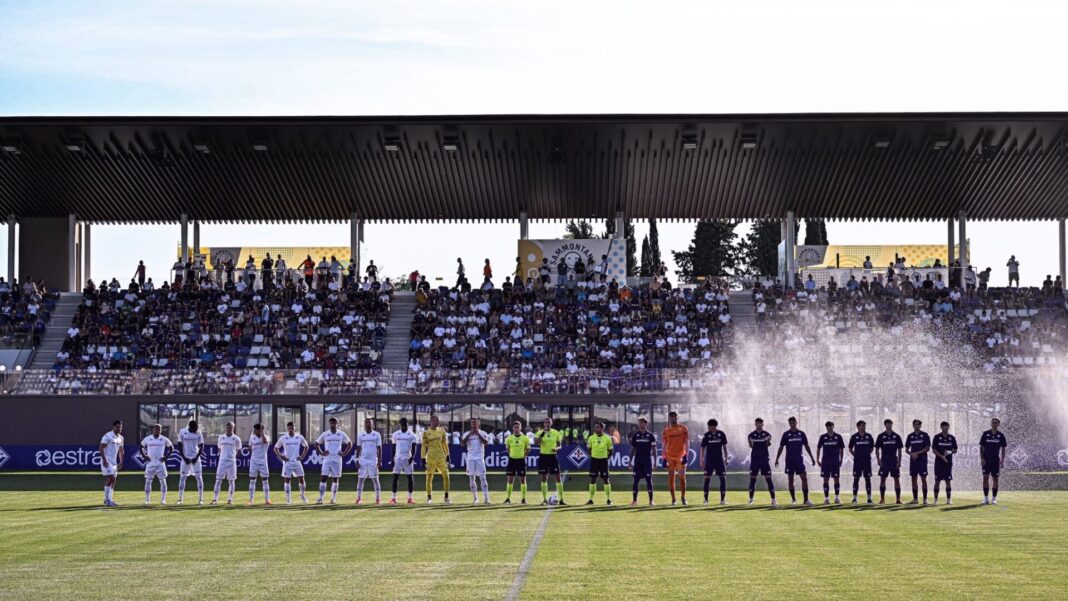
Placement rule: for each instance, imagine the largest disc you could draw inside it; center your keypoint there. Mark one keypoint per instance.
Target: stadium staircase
(45, 355)
(398, 334)
(742, 312)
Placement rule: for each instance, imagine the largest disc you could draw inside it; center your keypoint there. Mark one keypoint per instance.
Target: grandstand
(321, 341)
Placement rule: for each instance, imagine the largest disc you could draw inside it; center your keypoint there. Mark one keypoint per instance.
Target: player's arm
(841, 452)
(819, 451)
(423, 448)
(346, 448)
(538, 435)
(200, 449)
(305, 448)
(852, 447)
(1004, 445)
(278, 453)
(899, 447)
(808, 449)
(120, 457)
(378, 447)
(103, 456)
(878, 452)
(652, 452)
(726, 454)
(701, 455)
(779, 454)
(484, 437)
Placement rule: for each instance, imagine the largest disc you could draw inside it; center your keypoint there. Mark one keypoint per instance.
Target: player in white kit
(258, 443)
(155, 449)
(369, 452)
(475, 441)
(229, 444)
(403, 459)
(111, 456)
(191, 440)
(332, 446)
(291, 449)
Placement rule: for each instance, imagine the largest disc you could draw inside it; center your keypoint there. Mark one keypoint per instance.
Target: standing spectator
(280, 269)
(139, 273)
(561, 272)
(335, 270)
(487, 271)
(179, 270)
(322, 272)
(308, 267)
(372, 271)
(229, 267)
(984, 278)
(413, 279)
(250, 272)
(353, 268)
(1014, 271)
(867, 262)
(543, 272)
(518, 267)
(1047, 286)
(459, 272)
(267, 266)
(969, 280)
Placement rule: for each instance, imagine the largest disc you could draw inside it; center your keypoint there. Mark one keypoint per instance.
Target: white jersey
(259, 446)
(404, 445)
(157, 448)
(113, 443)
(190, 441)
(333, 442)
(369, 442)
(476, 449)
(228, 446)
(290, 445)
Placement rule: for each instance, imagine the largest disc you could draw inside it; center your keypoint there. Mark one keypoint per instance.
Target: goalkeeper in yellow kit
(435, 453)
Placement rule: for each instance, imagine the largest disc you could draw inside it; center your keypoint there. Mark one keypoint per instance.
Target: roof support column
(72, 252)
(196, 238)
(1061, 256)
(87, 250)
(621, 224)
(962, 255)
(791, 235)
(355, 238)
(951, 243)
(524, 226)
(11, 249)
(183, 223)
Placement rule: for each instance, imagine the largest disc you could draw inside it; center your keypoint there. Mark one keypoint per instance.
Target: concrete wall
(43, 250)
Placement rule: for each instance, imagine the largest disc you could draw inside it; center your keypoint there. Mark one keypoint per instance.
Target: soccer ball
(553, 500)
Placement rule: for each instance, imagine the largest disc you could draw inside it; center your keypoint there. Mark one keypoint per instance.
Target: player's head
(643, 424)
(759, 423)
(333, 424)
(517, 427)
(116, 426)
(793, 423)
(712, 425)
(404, 424)
(945, 427)
(475, 423)
(368, 425)
(230, 428)
(916, 424)
(434, 421)
(889, 423)
(598, 427)
(862, 426)
(193, 425)
(995, 424)
(289, 428)
(157, 429)
(673, 418)
(547, 423)
(257, 429)
(830, 427)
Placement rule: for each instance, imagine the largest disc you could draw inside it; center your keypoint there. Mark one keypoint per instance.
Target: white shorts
(476, 467)
(226, 470)
(155, 470)
(258, 469)
(368, 469)
(192, 469)
(292, 469)
(332, 467)
(110, 470)
(403, 466)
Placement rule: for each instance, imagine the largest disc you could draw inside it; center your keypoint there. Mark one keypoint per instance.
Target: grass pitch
(61, 545)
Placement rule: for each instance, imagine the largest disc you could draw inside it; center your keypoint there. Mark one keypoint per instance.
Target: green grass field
(60, 544)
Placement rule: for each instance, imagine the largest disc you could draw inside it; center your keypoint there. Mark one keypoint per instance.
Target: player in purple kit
(861, 444)
(642, 459)
(888, 453)
(760, 460)
(793, 441)
(992, 457)
(944, 446)
(830, 450)
(918, 444)
(714, 459)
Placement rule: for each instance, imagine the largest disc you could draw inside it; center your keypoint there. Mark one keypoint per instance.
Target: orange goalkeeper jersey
(676, 441)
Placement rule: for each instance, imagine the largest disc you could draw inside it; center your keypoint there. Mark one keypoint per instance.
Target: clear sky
(385, 58)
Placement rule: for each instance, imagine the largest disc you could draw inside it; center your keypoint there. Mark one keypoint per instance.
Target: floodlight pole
(524, 226)
(86, 251)
(11, 248)
(355, 238)
(791, 236)
(72, 252)
(621, 224)
(196, 238)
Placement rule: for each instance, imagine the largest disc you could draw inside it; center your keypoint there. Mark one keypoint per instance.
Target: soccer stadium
(751, 412)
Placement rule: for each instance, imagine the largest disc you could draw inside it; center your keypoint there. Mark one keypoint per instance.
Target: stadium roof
(842, 166)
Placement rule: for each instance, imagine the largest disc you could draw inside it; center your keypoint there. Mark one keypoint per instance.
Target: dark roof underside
(864, 166)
